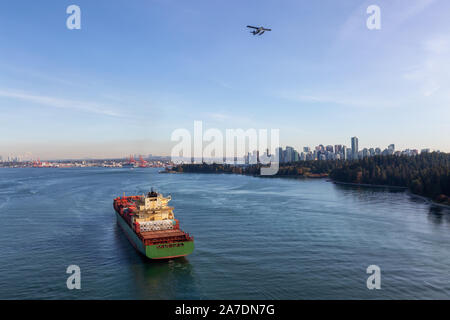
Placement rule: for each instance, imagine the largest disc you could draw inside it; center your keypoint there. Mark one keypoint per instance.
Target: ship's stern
(169, 250)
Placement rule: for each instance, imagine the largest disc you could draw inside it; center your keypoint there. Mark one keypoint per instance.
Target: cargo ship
(150, 225)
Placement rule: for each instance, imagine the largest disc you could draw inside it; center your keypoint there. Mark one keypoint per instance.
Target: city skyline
(131, 76)
(346, 153)
(333, 152)
(119, 154)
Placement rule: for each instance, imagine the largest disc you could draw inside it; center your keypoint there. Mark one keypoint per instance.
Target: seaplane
(258, 30)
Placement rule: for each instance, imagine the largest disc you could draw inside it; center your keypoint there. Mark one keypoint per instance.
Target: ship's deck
(152, 235)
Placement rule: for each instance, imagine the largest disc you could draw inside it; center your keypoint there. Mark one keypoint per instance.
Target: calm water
(255, 238)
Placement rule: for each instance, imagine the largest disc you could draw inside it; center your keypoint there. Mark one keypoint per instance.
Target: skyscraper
(289, 154)
(355, 147)
(348, 155)
(279, 154)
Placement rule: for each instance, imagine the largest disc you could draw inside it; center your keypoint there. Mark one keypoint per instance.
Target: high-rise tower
(355, 147)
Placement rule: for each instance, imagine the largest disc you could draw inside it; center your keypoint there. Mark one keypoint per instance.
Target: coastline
(365, 185)
(311, 176)
(369, 185)
(425, 199)
(428, 200)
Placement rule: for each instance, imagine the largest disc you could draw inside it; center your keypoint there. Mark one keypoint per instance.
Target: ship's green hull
(157, 251)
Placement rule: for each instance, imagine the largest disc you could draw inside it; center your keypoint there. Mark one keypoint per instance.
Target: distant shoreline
(365, 185)
(369, 185)
(380, 186)
(310, 176)
(428, 200)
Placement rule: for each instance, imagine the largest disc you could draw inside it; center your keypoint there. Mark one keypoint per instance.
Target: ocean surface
(255, 238)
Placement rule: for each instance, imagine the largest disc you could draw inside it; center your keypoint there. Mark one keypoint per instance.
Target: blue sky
(138, 70)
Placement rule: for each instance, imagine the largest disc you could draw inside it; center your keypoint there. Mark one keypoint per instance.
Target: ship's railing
(167, 240)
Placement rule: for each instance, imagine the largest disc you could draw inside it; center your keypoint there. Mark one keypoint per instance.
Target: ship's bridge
(155, 203)
(155, 207)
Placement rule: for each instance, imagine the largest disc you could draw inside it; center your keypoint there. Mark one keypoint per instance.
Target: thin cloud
(432, 75)
(219, 116)
(329, 98)
(59, 103)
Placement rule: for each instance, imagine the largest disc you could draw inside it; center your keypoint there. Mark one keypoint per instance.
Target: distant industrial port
(129, 162)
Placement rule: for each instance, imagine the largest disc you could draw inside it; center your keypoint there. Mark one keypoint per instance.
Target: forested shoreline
(427, 174)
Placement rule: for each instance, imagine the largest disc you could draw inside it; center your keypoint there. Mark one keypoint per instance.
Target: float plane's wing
(258, 30)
